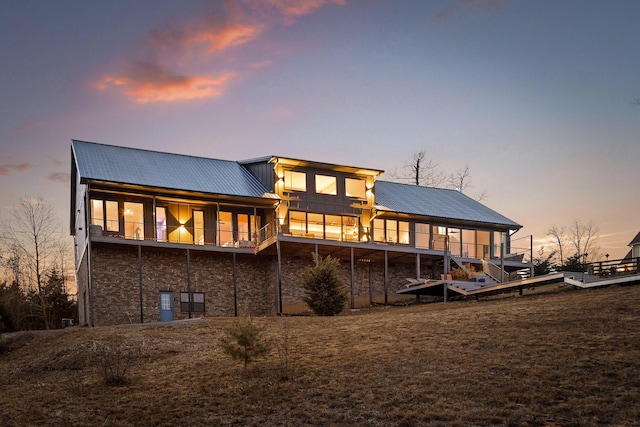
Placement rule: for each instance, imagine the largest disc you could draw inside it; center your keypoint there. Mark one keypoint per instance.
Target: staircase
(491, 270)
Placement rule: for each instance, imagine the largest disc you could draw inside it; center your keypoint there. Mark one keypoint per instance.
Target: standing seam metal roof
(435, 202)
(165, 170)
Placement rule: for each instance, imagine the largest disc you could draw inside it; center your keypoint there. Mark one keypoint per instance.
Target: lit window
(350, 229)
(161, 224)
(355, 188)
(225, 229)
(98, 210)
(315, 225)
(297, 223)
(243, 227)
(326, 185)
(97, 213)
(403, 232)
(195, 304)
(133, 221)
(198, 227)
(333, 227)
(378, 230)
(295, 181)
(422, 236)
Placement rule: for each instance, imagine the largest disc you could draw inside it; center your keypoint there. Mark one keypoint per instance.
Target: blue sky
(535, 96)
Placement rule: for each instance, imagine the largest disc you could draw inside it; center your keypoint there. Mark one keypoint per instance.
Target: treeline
(22, 309)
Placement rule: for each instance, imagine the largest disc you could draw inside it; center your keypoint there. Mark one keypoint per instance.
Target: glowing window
(422, 236)
(161, 224)
(403, 232)
(326, 185)
(198, 227)
(333, 227)
(315, 225)
(378, 230)
(225, 229)
(297, 223)
(355, 188)
(243, 227)
(295, 181)
(133, 221)
(350, 228)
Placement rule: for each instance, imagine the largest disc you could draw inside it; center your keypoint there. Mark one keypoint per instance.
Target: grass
(553, 358)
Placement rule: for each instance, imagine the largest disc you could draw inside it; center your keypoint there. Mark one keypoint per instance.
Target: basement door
(166, 306)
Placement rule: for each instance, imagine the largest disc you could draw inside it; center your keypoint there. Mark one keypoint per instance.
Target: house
(161, 236)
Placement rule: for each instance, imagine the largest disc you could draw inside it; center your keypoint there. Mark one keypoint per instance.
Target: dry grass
(555, 358)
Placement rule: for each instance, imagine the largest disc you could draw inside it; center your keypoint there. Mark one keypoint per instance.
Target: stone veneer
(118, 272)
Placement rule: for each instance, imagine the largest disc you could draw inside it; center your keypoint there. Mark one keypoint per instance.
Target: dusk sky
(537, 97)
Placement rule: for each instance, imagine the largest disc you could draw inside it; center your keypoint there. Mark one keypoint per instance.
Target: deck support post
(235, 286)
(353, 274)
(189, 281)
(140, 282)
(386, 276)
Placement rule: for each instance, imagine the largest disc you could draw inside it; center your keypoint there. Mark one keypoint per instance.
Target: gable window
(295, 181)
(326, 185)
(133, 221)
(105, 214)
(192, 301)
(355, 188)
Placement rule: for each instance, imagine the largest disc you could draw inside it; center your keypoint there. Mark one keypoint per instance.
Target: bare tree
(422, 170)
(559, 238)
(461, 179)
(583, 237)
(32, 237)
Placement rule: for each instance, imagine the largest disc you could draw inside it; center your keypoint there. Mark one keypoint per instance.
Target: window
(326, 185)
(225, 229)
(297, 223)
(133, 221)
(295, 181)
(161, 224)
(355, 188)
(198, 227)
(350, 228)
(423, 236)
(391, 231)
(243, 227)
(469, 243)
(195, 304)
(100, 208)
(332, 227)
(378, 230)
(315, 226)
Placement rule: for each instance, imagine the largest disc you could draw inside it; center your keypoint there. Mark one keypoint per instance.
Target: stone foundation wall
(120, 274)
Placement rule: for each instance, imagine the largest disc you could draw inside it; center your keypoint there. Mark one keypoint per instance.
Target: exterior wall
(84, 298)
(116, 272)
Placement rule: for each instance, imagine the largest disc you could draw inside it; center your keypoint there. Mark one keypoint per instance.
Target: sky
(536, 97)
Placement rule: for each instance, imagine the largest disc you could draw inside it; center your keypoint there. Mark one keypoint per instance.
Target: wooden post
(353, 274)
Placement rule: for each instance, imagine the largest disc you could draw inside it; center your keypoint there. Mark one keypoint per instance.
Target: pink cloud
(59, 177)
(292, 9)
(146, 82)
(262, 64)
(475, 6)
(7, 169)
(28, 127)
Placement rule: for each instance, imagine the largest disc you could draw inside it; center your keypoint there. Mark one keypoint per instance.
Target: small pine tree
(244, 340)
(324, 288)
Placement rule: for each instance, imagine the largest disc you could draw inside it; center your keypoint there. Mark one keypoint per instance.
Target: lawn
(554, 357)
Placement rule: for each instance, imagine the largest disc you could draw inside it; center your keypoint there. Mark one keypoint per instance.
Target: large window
(469, 243)
(198, 227)
(192, 301)
(133, 220)
(243, 227)
(355, 188)
(326, 185)
(295, 181)
(391, 231)
(319, 226)
(225, 229)
(423, 235)
(161, 224)
(105, 214)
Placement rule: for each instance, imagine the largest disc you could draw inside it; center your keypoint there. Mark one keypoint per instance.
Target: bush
(286, 343)
(244, 340)
(115, 356)
(324, 288)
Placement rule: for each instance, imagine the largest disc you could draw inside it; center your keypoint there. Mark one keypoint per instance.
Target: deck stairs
(491, 270)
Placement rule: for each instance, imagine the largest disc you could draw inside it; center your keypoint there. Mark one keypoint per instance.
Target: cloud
(59, 177)
(292, 9)
(475, 6)
(175, 50)
(7, 169)
(146, 82)
(28, 127)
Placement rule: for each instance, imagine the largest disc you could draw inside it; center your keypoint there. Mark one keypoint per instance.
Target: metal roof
(435, 202)
(165, 170)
